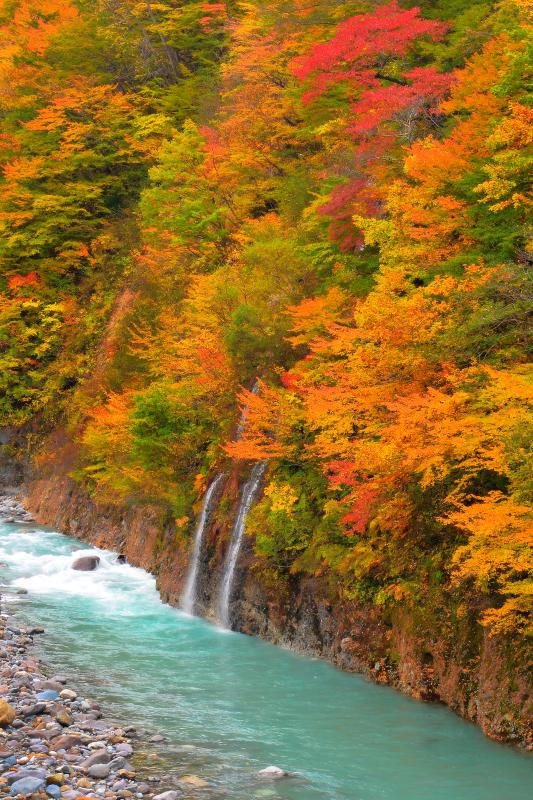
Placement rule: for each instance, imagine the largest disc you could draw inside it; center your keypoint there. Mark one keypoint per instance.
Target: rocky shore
(55, 744)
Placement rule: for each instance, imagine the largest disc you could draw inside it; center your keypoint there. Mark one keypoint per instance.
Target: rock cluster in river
(12, 511)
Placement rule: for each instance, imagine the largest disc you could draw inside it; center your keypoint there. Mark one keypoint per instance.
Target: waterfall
(188, 600)
(249, 493)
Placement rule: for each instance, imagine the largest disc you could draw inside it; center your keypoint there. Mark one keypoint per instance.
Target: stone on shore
(7, 714)
(66, 741)
(170, 795)
(26, 786)
(99, 770)
(124, 749)
(101, 756)
(64, 718)
(48, 694)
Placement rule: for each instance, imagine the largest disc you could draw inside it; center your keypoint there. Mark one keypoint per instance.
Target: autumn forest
(316, 212)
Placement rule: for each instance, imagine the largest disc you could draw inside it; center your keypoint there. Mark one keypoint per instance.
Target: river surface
(231, 705)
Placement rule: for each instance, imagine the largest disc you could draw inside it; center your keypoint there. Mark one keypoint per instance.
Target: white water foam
(41, 562)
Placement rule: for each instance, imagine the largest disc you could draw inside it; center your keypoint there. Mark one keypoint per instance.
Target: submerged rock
(194, 780)
(272, 773)
(86, 563)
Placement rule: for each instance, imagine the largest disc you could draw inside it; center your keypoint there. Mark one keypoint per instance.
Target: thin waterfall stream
(249, 494)
(189, 598)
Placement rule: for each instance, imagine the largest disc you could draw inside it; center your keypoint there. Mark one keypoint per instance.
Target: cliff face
(478, 677)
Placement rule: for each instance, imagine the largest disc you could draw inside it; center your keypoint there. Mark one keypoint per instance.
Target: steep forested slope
(331, 198)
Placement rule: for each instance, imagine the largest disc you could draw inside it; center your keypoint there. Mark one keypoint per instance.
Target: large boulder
(7, 714)
(86, 563)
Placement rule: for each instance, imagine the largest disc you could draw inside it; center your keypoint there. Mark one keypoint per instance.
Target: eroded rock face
(86, 563)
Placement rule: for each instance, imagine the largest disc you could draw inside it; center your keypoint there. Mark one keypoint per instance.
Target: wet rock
(66, 741)
(53, 685)
(34, 710)
(69, 795)
(99, 770)
(64, 718)
(156, 738)
(100, 757)
(119, 763)
(93, 725)
(41, 748)
(86, 563)
(67, 694)
(53, 791)
(194, 780)
(20, 774)
(170, 795)
(58, 779)
(48, 694)
(272, 773)
(124, 749)
(7, 714)
(26, 786)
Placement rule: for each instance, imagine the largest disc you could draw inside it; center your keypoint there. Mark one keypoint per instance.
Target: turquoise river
(230, 705)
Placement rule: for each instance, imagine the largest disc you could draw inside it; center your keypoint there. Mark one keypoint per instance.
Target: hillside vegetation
(331, 198)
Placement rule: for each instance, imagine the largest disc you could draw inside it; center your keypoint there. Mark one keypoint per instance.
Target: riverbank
(56, 744)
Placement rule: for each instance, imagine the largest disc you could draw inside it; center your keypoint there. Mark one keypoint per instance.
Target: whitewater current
(230, 704)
